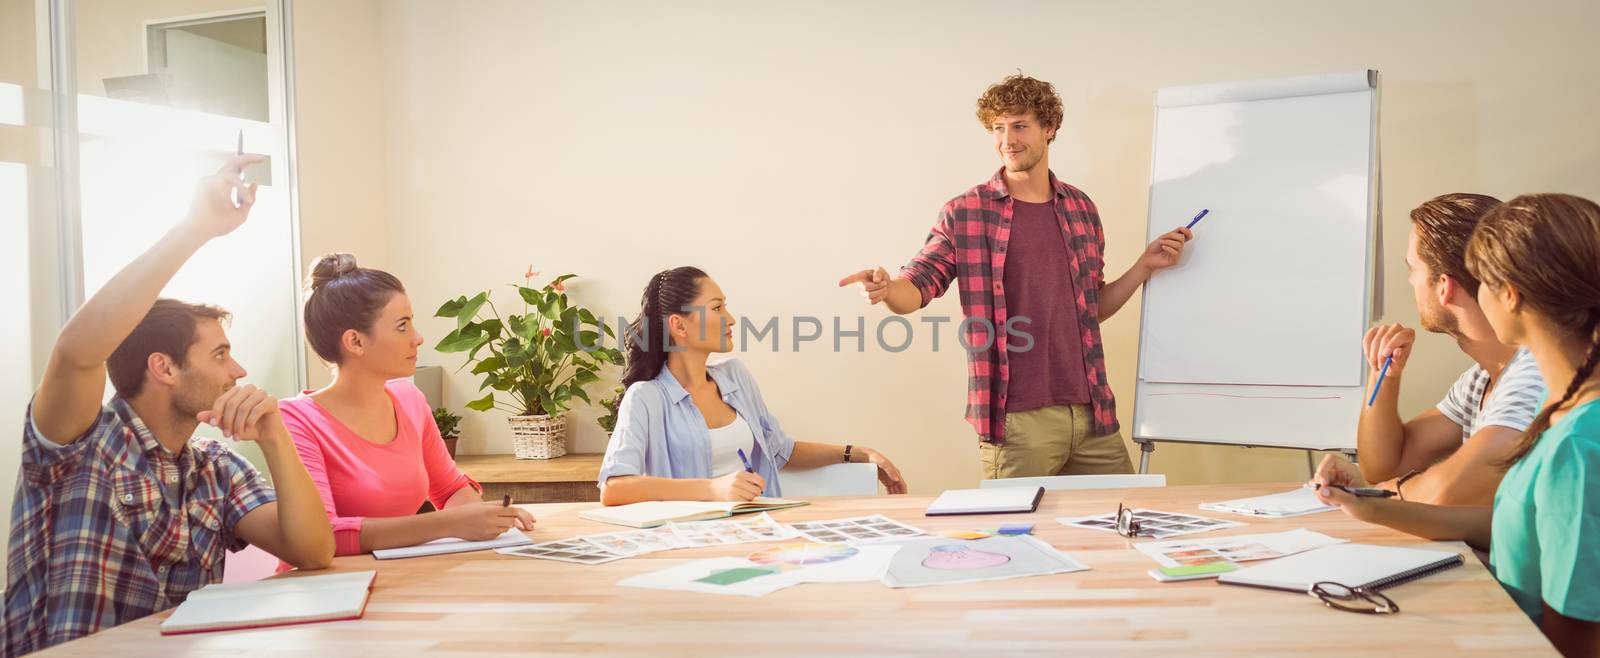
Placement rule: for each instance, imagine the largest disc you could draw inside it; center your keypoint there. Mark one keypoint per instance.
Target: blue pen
(746, 460)
(1386, 361)
(1198, 217)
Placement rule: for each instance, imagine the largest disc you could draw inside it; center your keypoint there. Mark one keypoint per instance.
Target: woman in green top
(1538, 257)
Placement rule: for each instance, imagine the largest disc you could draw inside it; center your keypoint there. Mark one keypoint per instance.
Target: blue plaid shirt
(113, 527)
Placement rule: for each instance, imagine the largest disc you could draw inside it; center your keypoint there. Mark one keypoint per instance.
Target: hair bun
(330, 267)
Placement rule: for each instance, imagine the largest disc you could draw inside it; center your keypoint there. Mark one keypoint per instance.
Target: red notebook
(273, 602)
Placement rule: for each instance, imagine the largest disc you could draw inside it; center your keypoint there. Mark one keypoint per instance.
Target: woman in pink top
(368, 439)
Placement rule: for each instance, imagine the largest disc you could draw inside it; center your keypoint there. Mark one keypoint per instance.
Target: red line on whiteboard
(1249, 397)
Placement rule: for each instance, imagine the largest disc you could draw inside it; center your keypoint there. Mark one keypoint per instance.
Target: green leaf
(469, 310)
(562, 279)
(491, 327)
(473, 355)
(525, 327)
(484, 403)
(585, 377)
(456, 341)
(450, 308)
(582, 395)
(531, 296)
(487, 365)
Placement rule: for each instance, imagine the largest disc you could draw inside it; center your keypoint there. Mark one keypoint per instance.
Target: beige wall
(339, 130)
(781, 145)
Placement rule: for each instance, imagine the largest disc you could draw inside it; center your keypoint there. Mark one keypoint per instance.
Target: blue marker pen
(746, 460)
(1386, 361)
(1198, 217)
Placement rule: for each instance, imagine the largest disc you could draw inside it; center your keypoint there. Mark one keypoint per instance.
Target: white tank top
(726, 441)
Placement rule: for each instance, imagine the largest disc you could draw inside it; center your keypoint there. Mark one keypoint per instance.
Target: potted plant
(608, 422)
(448, 428)
(532, 364)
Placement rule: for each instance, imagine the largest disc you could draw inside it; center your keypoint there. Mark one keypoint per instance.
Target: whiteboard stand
(1244, 342)
(1147, 447)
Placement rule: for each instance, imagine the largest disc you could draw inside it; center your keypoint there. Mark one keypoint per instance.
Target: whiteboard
(1254, 337)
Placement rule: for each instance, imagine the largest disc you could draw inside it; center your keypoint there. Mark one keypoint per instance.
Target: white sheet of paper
(1238, 548)
(1295, 502)
(941, 561)
(867, 565)
(685, 578)
(511, 537)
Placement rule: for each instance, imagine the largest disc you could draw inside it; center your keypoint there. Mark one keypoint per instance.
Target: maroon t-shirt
(1038, 283)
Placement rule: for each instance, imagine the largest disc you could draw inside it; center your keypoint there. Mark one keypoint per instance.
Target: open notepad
(650, 514)
(511, 537)
(275, 602)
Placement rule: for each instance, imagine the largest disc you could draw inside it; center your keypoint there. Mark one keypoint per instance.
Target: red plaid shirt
(113, 527)
(969, 245)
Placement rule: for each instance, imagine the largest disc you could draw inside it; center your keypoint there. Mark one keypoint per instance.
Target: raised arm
(69, 396)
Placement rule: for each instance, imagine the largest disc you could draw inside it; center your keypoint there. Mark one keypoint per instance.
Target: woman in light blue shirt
(683, 423)
(1538, 257)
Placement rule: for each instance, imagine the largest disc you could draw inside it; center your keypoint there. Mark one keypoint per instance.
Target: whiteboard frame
(1333, 427)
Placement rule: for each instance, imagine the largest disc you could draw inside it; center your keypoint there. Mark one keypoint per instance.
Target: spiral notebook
(1351, 565)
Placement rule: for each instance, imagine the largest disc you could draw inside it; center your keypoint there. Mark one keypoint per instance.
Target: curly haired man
(1027, 250)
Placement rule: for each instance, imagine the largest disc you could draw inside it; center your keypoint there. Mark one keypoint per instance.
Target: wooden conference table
(479, 604)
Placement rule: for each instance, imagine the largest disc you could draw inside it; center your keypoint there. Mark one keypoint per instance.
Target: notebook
(1298, 502)
(652, 513)
(275, 602)
(1351, 565)
(511, 537)
(1000, 500)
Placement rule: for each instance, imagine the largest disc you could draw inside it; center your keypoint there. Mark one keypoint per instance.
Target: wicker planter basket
(538, 437)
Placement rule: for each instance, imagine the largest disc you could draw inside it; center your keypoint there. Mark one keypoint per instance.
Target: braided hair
(670, 292)
(1547, 248)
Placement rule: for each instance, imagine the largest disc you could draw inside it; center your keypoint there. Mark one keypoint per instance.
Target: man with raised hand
(120, 511)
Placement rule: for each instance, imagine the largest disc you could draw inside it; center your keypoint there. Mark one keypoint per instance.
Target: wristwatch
(847, 448)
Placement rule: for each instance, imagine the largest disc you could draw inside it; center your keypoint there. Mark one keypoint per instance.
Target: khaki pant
(1054, 441)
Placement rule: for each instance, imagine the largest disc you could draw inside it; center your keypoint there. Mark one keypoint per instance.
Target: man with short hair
(1446, 455)
(120, 512)
(1027, 250)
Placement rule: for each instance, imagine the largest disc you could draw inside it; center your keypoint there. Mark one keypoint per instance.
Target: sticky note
(732, 576)
(1200, 569)
(966, 534)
